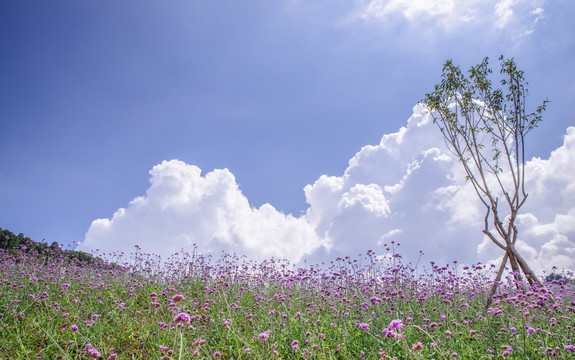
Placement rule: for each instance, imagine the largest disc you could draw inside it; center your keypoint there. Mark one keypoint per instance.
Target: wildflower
(92, 352)
(264, 335)
(417, 347)
(198, 343)
(363, 326)
(508, 349)
(182, 318)
(247, 350)
(112, 357)
(395, 324)
(374, 300)
(454, 354)
(178, 297)
(295, 345)
(217, 353)
(570, 348)
(74, 328)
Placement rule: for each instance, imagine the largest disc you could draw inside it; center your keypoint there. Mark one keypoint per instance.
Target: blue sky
(95, 94)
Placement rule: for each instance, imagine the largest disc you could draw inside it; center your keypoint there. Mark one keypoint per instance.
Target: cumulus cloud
(182, 208)
(451, 14)
(430, 207)
(406, 189)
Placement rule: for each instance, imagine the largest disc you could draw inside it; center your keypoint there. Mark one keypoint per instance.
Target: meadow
(192, 306)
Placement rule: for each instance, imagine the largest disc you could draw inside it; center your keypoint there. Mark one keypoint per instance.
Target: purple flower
(395, 324)
(295, 345)
(570, 348)
(178, 297)
(417, 347)
(92, 352)
(74, 328)
(182, 318)
(264, 335)
(363, 326)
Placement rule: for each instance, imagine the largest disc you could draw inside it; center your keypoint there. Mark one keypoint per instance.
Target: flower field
(194, 306)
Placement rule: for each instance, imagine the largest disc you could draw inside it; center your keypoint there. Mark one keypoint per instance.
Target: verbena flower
(182, 318)
(178, 297)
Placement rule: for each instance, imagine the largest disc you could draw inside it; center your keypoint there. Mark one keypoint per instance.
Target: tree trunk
(529, 274)
(496, 281)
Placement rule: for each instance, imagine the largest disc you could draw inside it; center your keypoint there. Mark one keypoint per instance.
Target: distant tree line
(14, 244)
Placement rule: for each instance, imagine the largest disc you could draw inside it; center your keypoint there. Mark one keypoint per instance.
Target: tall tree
(485, 129)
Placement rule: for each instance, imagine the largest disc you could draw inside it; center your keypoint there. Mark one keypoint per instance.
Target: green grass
(53, 309)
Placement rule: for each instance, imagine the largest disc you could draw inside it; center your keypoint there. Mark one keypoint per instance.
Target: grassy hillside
(56, 307)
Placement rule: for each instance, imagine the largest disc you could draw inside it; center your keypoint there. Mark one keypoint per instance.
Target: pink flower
(178, 297)
(363, 326)
(265, 335)
(182, 318)
(417, 347)
(395, 324)
(295, 345)
(74, 328)
(92, 352)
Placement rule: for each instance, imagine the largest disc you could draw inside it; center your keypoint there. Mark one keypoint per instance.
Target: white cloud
(182, 208)
(451, 14)
(504, 12)
(405, 189)
(432, 208)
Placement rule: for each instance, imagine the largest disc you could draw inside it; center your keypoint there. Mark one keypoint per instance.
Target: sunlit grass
(194, 307)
